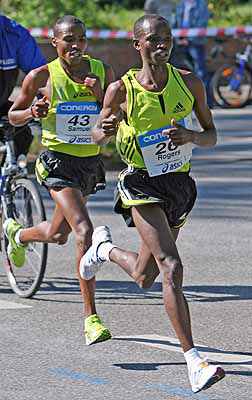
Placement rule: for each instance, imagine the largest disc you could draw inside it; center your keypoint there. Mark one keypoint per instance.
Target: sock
(17, 237)
(104, 249)
(192, 357)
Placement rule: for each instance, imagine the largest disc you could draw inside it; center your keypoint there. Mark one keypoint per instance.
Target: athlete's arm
(21, 111)
(208, 136)
(93, 82)
(111, 113)
(109, 76)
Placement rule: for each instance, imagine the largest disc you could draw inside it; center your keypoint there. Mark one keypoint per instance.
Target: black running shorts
(60, 170)
(175, 192)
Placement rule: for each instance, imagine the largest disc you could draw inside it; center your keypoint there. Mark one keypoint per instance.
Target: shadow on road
(156, 367)
(146, 366)
(126, 290)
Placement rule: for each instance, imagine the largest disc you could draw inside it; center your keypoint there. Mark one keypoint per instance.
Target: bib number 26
(164, 146)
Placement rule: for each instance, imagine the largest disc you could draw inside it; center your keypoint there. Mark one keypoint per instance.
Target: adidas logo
(178, 108)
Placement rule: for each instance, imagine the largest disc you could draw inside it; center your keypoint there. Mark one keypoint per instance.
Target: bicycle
(231, 84)
(21, 200)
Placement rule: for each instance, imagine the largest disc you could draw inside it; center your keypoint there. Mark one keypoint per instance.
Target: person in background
(18, 51)
(192, 14)
(165, 8)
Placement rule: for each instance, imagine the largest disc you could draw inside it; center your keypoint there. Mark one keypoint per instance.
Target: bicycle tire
(21, 280)
(223, 95)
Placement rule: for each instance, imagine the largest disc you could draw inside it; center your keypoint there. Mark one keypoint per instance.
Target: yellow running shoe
(15, 251)
(95, 331)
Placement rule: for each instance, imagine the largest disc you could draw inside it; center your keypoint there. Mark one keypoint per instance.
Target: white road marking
(172, 344)
(7, 305)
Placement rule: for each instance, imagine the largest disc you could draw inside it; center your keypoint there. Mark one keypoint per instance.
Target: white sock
(104, 250)
(192, 357)
(17, 237)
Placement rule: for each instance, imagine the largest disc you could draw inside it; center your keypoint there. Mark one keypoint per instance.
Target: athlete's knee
(172, 270)
(146, 279)
(60, 238)
(56, 237)
(83, 234)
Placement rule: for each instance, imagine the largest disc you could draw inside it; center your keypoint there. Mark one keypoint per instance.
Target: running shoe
(95, 331)
(15, 251)
(204, 375)
(91, 262)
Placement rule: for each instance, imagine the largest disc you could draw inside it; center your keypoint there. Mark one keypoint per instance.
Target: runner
(149, 110)
(71, 91)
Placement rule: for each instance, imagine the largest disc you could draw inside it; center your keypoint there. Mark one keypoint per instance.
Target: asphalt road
(42, 350)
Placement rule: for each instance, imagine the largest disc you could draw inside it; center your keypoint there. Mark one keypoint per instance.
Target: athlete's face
(155, 42)
(70, 42)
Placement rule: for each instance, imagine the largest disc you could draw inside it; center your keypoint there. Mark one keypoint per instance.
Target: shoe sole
(105, 335)
(5, 225)
(8, 253)
(218, 376)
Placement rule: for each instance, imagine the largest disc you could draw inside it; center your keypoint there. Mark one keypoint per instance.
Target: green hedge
(37, 13)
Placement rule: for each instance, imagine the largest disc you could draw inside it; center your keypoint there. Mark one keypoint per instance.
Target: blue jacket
(198, 17)
(18, 50)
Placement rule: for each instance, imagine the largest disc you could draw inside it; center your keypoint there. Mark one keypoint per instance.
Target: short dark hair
(67, 19)
(138, 25)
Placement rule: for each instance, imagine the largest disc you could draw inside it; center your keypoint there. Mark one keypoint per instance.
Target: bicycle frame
(9, 167)
(242, 63)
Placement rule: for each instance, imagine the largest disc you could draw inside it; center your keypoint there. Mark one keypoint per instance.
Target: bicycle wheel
(28, 210)
(231, 89)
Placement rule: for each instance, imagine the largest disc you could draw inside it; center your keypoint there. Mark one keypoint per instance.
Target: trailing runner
(71, 90)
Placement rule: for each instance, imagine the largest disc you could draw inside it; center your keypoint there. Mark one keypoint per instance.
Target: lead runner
(148, 111)
(71, 89)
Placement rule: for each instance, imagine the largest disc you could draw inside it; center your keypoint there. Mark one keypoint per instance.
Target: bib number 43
(82, 120)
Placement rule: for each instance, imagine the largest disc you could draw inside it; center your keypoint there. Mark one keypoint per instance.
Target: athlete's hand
(110, 125)
(94, 84)
(178, 134)
(40, 108)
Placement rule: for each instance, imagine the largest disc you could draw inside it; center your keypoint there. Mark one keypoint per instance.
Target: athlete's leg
(141, 266)
(152, 225)
(73, 206)
(54, 231)
(70, 215)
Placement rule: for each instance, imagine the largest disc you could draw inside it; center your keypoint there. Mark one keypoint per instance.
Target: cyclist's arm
(29, 55)
(111, 113)
(21, 112)
(208, 136)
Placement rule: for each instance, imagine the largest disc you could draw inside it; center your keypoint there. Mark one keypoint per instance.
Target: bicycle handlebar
(7, 129)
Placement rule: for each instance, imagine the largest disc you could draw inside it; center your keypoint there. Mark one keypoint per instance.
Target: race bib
(74, 121)
(160, 155)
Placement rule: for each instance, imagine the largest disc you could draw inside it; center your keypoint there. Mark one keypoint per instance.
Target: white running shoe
(204, 375)
(91, 262)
